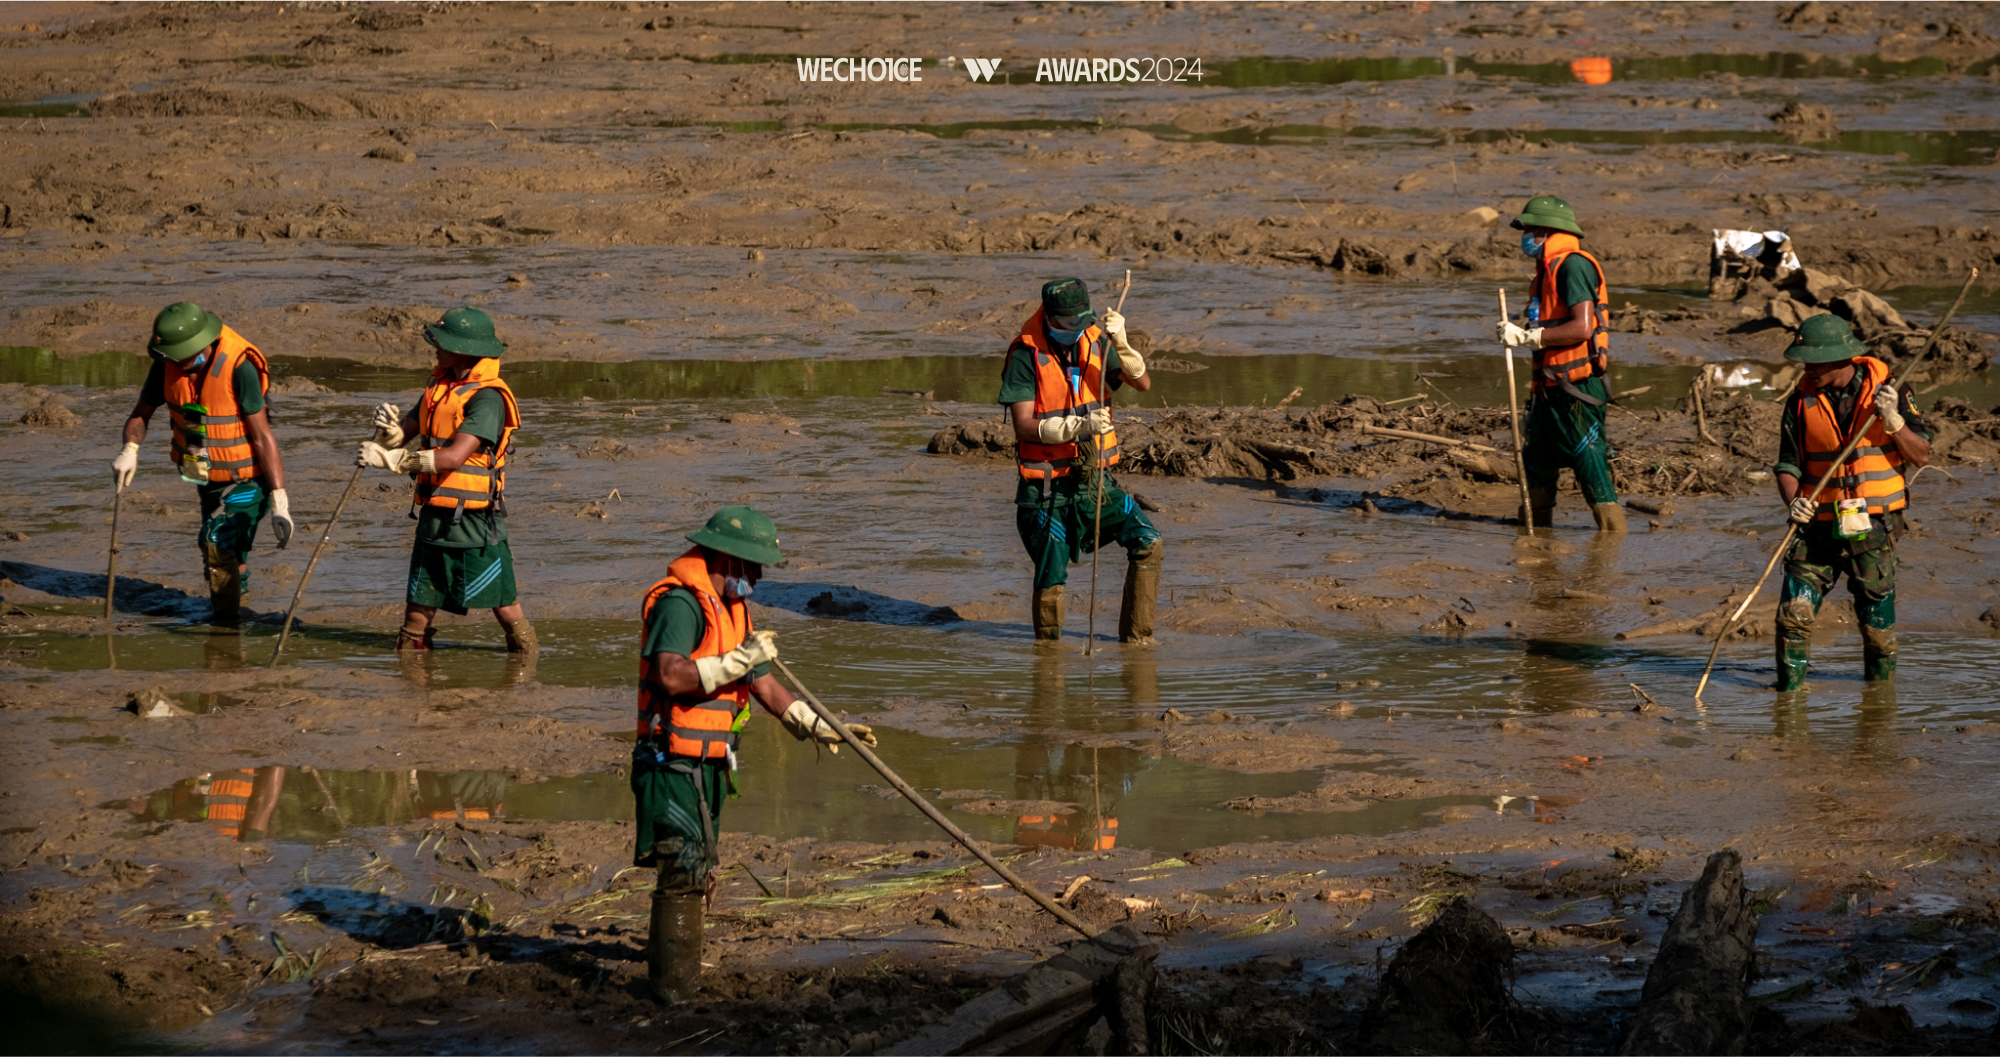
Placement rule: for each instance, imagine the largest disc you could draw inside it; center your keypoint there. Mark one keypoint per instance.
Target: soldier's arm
(264, 446)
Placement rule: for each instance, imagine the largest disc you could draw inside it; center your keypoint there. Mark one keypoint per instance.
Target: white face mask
(737, 588)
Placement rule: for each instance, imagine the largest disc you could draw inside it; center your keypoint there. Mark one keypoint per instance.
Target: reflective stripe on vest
(696, 727)
(1569, 363)
(1058, 397)
(220, 427)
(482, 480)
(1874, 472)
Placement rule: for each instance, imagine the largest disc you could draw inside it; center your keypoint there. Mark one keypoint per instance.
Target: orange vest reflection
(1591, 71)
(1071, 832)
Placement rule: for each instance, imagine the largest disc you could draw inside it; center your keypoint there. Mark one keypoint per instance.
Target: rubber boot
(1142, 595)
(1542, 507)
(1049, 613)
(1794, 657)
(673, 951)
(1610, 517)
(521, 637)
(1878, 653)
(225, 591)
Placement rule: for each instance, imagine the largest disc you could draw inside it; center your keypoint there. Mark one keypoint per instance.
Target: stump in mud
(1446, 990)
(1092, 998)
(1697, 995)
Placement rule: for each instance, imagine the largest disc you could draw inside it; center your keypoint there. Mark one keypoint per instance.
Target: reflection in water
(1076, 810)
(259, 804)
(1591, 71)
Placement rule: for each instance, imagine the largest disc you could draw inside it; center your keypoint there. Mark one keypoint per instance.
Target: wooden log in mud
(1655, 507)
(1432, 438)
(1092, 998)
(1446, 990)
(1479, 465)
(1277, 452)
(1697, 994)
(1676, 626)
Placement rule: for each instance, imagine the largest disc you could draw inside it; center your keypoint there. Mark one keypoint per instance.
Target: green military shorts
(677, 803)
(459, 579)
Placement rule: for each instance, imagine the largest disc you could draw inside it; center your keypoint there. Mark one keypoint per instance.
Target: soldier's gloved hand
(1130, 362)
(1887, 410)
(281, 517)
(717, 672)
(804, 723)
(1802, 511)
(125, 465)
(373, 454)
(1518, 337)
(388, 422)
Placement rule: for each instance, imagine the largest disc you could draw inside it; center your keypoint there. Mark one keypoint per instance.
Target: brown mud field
(1371, 696)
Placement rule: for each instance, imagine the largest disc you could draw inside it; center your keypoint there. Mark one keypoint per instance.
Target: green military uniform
(1819, 557)
(463, 562)
(1562, 430)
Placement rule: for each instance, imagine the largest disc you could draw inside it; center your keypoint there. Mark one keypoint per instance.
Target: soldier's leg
(1587, 449)
(1808, 577)
(678, 807)
(230, 516)
(1045, 533)
(1871, 578)
(1126, 523)
(1542, 454)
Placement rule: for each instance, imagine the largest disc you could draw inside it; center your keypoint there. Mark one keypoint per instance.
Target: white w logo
(982, 69)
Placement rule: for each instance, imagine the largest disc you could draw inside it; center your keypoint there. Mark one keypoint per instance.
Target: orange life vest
(1874, 472)
(482, 481)
(228, 799)
(1061, 394)
(219, 427)
(1569, 363)
(696, 726)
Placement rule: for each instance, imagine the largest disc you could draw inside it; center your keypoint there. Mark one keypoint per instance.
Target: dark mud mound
(1446, 990)
(1697, 995)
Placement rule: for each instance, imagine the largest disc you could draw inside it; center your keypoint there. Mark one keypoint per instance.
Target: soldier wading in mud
(700, 663)
(1056, 385)
(1569, 327)
(213, 385)
(456, 445)
(1854, 527)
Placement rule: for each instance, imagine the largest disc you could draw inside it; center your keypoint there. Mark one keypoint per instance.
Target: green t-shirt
(485, 417)
(249, 393)
(677, 625)
(1017, 383)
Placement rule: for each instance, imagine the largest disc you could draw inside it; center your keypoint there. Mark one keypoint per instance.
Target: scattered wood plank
(1404, 434)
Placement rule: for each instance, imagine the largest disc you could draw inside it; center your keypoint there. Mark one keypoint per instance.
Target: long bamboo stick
(1514, 421)
(111, 570)
(286, 631)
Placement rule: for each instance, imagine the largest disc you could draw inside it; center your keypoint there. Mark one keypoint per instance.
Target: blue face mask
(1064, 337)
(1531, 245)
(737, 587)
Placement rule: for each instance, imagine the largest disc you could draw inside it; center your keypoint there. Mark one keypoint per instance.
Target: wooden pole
(1370, 430)
(1514, 420)
(929, 811)
(111, 570)
(326, 535)
(1791, 527)
(1097, 507)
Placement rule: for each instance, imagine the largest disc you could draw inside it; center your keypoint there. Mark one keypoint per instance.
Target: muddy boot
(1610, 517)
(414, 635)
(1049, 613)
(1142, 594)
(521, 638)
(1878, 653)
(1542, 507)
(1794, 657)
(225, 591)
(673, 952)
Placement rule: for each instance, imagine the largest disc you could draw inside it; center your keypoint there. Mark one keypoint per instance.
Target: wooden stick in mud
(1514, 421)
(111, 570)
(1792, 527)
(1429, 438)
(1097, 508)
(286, 631)
(929, 811)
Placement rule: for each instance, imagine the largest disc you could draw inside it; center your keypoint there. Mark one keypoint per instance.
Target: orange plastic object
(1591, 71)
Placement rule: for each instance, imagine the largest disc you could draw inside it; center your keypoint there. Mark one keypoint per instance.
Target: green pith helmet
(1548, 211)
(743, 532)
(1066, 305)
(183, 329)
(466, 331)
(1825, 338)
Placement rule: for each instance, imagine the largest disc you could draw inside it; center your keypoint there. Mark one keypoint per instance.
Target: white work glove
(373, 454)
(1064, 430)
(1129, 361)
(125, 465)
(717, 672)
(388, 423)
(1886, 409)
(1517, 337)
(804, 723)
(281, 517)
(1802, 510)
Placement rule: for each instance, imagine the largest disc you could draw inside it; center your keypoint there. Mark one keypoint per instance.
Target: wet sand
(1361, 659)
